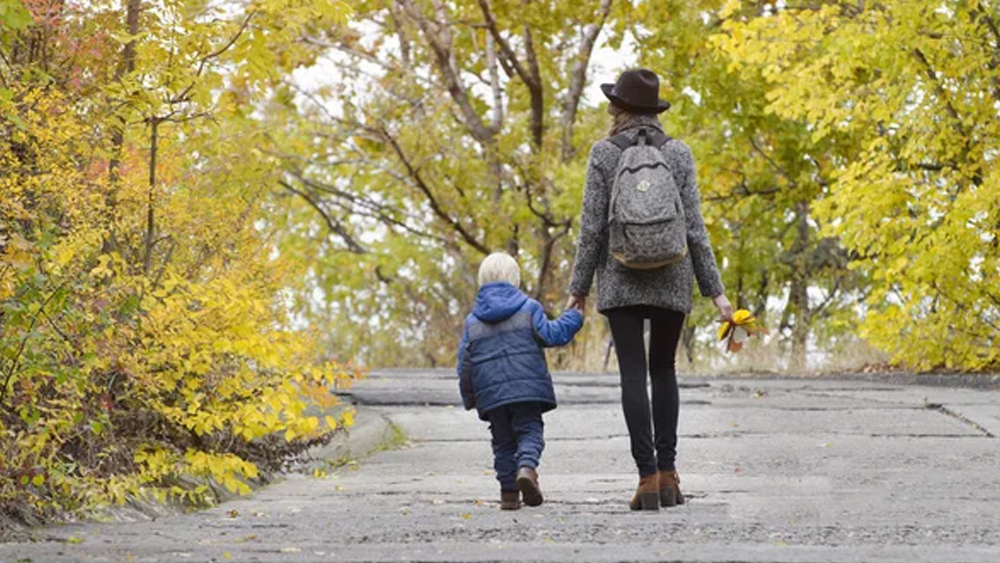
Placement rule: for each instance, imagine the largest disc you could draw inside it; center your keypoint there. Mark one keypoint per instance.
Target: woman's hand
(724, 306)
(578, 302)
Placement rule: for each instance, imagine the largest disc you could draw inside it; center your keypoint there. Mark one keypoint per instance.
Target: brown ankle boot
(647, 495)
(527, 482)
(510, 500)
(670, 490)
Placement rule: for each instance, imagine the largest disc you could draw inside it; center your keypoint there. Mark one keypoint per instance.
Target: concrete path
(776, 471)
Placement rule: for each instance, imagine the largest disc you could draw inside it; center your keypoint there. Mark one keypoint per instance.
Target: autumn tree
(464, 130)
(914, 194)
(759, 175)
(453, 129)
(144, 334)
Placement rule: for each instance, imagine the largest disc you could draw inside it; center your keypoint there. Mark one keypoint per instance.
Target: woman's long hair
(622, 119)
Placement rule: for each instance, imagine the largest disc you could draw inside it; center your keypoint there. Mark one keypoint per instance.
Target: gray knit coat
(669, 287)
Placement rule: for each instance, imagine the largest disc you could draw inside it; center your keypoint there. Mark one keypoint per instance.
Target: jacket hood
(497, 301)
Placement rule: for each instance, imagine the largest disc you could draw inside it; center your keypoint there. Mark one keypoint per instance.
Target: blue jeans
(518, 440)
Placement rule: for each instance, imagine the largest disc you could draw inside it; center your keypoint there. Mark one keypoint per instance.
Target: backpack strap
(659, 138)
(622, 141)
(654, 137)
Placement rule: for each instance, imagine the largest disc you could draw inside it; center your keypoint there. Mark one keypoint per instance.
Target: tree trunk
(132, 11)
(799, 293)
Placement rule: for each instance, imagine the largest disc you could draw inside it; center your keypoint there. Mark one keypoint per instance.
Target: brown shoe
(670, 490)
(527, 482)
(646, 496)
(510, 500)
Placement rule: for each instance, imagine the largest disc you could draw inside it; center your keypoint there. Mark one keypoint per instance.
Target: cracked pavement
(807, 470)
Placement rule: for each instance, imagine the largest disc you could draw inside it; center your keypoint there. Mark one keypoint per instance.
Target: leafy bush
(146, 341)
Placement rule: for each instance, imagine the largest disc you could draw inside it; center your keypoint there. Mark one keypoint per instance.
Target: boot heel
(668, 497)
(649, 501)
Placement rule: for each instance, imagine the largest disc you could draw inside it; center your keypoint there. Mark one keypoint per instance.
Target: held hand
(578, 302)
(724, 306)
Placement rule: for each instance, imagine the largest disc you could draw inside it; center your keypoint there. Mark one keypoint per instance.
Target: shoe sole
(670, 498)
(529, 490)
(648, 501)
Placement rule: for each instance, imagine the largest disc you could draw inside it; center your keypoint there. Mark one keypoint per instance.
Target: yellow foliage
(145, 332)
(906, 92)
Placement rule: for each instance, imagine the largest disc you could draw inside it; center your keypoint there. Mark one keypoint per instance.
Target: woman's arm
(702, 258)
(593, 220)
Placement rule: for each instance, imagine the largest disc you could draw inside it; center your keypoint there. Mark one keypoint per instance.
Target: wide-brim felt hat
(638, 91)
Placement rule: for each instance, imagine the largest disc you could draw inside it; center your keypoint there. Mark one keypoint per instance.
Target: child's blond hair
(500, 267)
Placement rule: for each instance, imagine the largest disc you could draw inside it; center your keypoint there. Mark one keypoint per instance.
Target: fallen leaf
(232, 513)
(74, 540)
(226, 555)
(466, 516)
(290, 550)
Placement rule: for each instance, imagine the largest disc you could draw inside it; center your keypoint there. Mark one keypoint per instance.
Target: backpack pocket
(645, 246)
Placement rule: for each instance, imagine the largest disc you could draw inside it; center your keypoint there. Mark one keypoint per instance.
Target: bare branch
(535, 88)
(404, 41)
(421, 185)
(440, 40)
(777, 168)
(491, 63)
(365, 207)
(509, 58)
(939, 89)
(334, 226)
(184, 96)
(579, 80)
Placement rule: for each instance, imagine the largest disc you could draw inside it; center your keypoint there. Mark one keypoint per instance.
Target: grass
(393, 438)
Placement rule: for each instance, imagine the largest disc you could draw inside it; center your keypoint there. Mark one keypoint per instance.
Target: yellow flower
(747, 323)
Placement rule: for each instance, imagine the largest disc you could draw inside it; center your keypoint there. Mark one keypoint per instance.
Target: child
(502, 373)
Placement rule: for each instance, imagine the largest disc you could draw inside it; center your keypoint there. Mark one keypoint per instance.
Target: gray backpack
(646, 227)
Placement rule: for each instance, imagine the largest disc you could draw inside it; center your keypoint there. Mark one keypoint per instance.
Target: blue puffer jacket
(500, 358)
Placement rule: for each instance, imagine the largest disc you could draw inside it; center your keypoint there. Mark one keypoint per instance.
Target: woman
(629, 296)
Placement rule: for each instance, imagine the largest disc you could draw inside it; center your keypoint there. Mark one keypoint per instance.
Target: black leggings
(664, 332)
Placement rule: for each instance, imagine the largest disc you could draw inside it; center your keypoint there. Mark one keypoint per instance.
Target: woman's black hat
(637, 91)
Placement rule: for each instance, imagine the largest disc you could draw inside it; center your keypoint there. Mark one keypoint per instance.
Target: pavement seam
(958, 416)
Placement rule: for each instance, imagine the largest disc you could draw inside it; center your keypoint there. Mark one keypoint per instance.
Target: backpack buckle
(641, 141)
